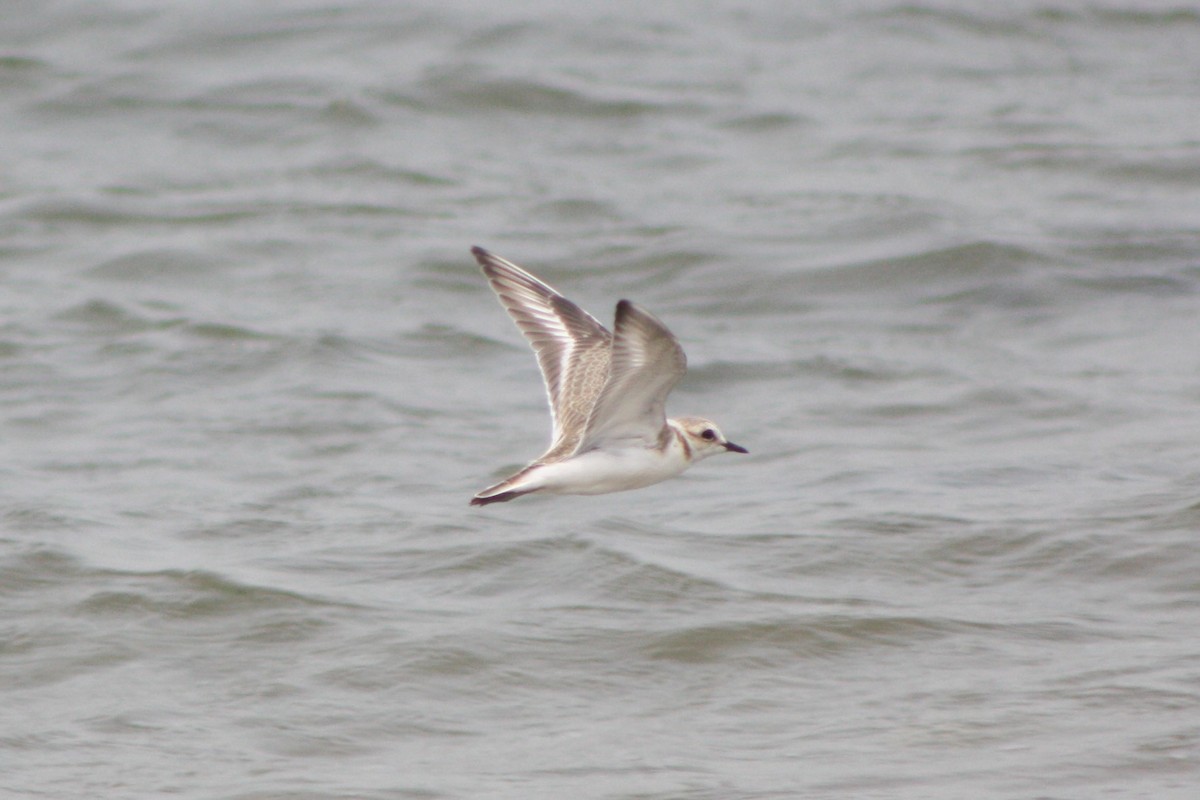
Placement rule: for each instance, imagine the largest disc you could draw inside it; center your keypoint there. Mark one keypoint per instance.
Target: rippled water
(936, 264)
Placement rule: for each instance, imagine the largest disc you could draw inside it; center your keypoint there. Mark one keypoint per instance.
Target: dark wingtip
(502, 497)
(627, 309)
(487, 261)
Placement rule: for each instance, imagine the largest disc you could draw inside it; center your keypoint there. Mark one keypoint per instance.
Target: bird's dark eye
(708, 434)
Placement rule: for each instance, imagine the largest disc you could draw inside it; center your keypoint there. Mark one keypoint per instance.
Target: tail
(503, 497)
(510, 488)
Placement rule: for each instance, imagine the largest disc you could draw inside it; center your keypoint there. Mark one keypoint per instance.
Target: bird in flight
(607, 392)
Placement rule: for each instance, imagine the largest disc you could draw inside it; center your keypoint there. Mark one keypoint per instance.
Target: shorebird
(607, 392)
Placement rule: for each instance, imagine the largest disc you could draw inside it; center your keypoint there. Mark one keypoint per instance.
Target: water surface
(937, 265)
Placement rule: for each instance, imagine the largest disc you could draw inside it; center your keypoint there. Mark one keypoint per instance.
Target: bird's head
(705, 437)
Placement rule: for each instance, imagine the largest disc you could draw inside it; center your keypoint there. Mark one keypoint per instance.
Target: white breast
(612, 470)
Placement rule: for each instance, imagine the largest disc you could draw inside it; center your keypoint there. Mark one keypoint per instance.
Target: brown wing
(647, 362)
(572, 348)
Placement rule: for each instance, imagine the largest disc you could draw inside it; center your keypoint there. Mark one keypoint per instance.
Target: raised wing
(647, 362)
(572, 348)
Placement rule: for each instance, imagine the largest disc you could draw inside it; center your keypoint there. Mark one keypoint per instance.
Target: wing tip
(497, 268)
(626, 309)
(629, 310)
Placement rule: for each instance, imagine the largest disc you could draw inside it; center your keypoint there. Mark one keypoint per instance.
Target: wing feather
(573, 349)
(647, 362)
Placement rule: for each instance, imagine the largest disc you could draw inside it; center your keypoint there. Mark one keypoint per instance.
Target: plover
(607, 394)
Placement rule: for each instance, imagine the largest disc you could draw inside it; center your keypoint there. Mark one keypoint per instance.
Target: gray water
(936, 264)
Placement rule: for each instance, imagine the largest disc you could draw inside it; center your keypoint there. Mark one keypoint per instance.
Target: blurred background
(936, 264)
